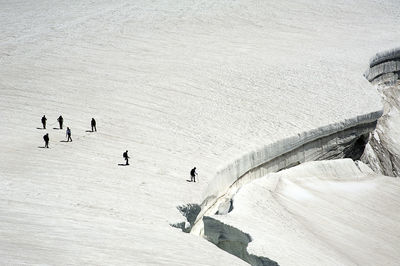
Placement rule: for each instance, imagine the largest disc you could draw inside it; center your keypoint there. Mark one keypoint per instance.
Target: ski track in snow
(179, 84)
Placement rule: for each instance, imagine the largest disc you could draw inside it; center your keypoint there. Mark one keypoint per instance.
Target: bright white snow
(321, 213)
(177, 83)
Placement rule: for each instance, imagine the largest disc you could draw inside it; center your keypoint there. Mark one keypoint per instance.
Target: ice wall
(384, 67)
(385, 56)
(383, 149)
(336, 140)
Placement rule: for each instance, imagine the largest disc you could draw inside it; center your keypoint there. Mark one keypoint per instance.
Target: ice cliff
(341, 140)
(383, 148)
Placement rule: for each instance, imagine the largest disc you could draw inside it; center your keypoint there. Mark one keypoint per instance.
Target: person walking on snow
(126, 157)
(60, 120)
(193, 175)
(44, 119)
(68, 134)
(93, 124)
(46, 140)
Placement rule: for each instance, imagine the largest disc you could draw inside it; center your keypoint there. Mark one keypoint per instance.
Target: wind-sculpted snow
(179, 84)
(321, 213)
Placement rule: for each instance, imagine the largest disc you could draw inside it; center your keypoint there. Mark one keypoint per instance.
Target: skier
(93, 124)
(60, 120)
(126, 157)
(44, 119)
(68, 134)
(46, 140)
(193, 175)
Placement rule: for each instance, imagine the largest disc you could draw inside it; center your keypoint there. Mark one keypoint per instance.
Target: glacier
(226, 86)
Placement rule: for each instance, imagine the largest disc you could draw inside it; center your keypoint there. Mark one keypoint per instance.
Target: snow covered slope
(179, 84)
(319, 213)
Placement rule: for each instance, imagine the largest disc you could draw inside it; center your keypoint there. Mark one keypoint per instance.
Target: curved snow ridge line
(387, 62)
(385, 56)
(283, 154)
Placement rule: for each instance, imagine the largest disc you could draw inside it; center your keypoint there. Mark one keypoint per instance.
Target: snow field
(179, 84)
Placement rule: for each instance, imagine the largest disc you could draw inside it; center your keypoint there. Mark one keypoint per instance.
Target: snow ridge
(331, 141)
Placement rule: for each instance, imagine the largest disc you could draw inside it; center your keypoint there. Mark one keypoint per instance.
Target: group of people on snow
(68, 133)
(60, 121)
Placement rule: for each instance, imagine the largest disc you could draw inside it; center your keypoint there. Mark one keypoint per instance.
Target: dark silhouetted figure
(126, 157)
(46, 140)
(68, 133)
(44, 119)
(193, 175)
(93, 124)
(60, 120)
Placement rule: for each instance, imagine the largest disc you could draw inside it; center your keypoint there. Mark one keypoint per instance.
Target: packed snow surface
(177, 83)
(321, 213)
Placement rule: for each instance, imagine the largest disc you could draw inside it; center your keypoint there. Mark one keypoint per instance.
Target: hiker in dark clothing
(46, 140)
(68, 133)
(60, 120)
(126, 157)
(93, 124)
(193, 175)
(44, 119)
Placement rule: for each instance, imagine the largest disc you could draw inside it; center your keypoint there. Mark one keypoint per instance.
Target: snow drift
(321, 213)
